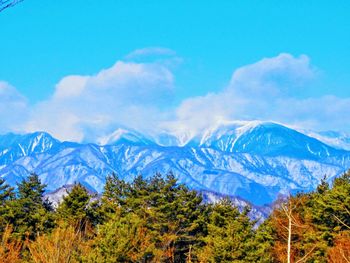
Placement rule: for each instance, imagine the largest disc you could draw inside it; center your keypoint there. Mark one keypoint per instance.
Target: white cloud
(84, 107)
(150, 51)
(70, 86)
(267, 90)
(139, 96)
(13, 108)
(279, 76)
(322, 113)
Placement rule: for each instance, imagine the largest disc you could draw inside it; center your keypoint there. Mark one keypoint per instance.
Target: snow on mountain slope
(223, 135)
(124, 135)
(168, 139)
(337, 140)
(13, 146)
(266, 139)
(254, 178)
(253, 161)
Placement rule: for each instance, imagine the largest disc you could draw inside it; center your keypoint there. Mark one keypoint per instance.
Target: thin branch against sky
(8, 3)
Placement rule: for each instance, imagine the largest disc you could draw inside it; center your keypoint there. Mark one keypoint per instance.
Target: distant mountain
(265, 139)
(14, 146)
(253, 161)
(124, 135)
(337, 140)
(56, 197)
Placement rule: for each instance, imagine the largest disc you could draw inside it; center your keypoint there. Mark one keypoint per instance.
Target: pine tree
(28, 214)
(179, 216)
(6, 192)
(329, 210)
(337, 203)
(77, 208)
(263, 243)
(125, 238)
(230, 235)
(115, 189)
(114, 195)
(166, 208)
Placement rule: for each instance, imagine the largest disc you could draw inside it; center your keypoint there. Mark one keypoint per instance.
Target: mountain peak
(263, 138)
(125, 135)
(254, 160)
(14, 146)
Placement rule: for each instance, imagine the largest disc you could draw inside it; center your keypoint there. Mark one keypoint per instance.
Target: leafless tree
(292, 226)
(8, 3)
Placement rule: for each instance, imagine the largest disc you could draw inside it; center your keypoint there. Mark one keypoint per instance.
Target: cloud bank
(82, 107)
(267, 90)
(13, 108)
(139, 95)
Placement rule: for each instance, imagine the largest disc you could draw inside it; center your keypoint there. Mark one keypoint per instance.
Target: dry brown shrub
(340, 252)
(10, 249)
(61, 246)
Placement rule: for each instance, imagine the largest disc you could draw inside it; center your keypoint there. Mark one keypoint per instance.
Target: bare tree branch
(306, 255)
(8, 3)
(339, 220)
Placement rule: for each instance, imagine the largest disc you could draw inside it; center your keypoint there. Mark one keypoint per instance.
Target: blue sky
(200, 43)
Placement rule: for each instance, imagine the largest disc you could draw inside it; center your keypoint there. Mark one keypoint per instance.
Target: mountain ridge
(254, 161)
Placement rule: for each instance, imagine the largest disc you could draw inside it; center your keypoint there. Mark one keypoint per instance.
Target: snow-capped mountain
(254, 161)
(339, 140)
(14, 146)
(125, 135)
(267, 139)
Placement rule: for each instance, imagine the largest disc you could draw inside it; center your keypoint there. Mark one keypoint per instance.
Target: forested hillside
(159, 220)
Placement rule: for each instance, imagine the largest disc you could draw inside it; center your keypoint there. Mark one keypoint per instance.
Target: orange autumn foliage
(10, 249)
(340, 252)
(62, 245)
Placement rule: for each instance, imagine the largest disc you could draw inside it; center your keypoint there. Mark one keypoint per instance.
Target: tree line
(160, 220)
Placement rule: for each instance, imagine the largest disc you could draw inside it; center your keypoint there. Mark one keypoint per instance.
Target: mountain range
(252, 161)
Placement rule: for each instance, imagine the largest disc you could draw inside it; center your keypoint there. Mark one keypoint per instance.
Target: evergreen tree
(32, 189)
(263, 243)
(125, 238)
(114, 195)
(77, 208)
(159, 220)
(28, 214)
(171, 211)
(6, 192)
(178, 211)
(230, 235)
(330, 210)
(335, 204)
